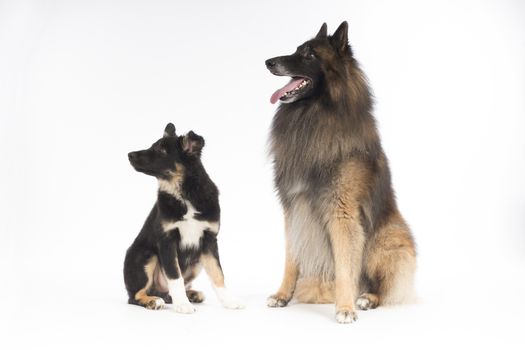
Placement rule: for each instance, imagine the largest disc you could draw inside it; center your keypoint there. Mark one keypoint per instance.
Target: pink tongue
(289, 87)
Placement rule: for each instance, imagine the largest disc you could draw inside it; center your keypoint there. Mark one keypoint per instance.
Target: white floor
(82, 83)
(450, 318)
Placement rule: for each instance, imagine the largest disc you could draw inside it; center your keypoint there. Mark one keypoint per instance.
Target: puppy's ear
(169, 130)
(192, 143)
(339, 39)
(322, 32)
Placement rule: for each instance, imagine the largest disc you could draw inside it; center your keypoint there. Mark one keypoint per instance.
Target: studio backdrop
(82, 83)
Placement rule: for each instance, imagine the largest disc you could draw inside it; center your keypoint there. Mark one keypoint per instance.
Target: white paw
(363, 303)
(276, 302)
(232, 303)
(228, 300)
(184, 308)
(345, 316)
(159, 304)
(155, 304)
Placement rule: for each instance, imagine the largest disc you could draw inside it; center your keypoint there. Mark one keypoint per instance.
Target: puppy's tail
(314, 291)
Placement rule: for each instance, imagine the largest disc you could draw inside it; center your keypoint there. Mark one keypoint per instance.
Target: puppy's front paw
(345, 316)
(184, 308)
(233, 303)
(228, 300)
(277, 300)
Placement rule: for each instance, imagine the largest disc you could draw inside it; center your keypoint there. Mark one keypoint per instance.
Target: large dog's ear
(322, 32)
(192, 143)
(169, 130)
(339, 39)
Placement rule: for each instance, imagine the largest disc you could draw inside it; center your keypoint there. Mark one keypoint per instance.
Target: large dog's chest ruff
(308, 241)
(190, 229)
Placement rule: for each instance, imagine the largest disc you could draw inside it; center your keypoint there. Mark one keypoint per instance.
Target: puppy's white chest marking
(190, 229)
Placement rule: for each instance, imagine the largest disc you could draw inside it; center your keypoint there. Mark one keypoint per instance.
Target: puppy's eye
(163, 150)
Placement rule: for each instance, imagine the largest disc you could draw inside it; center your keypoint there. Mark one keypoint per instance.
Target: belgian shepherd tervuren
(345, 238)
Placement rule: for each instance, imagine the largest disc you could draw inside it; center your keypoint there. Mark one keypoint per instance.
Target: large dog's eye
(308, 52)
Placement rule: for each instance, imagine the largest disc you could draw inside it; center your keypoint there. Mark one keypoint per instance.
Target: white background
(84, 82)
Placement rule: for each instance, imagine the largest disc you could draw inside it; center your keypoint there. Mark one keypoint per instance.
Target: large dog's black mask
(310, 64)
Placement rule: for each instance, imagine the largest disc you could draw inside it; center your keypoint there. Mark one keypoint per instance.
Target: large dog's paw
(277, 300)
(155, 304)
(345, 316)
(367, 301)
(184, 308)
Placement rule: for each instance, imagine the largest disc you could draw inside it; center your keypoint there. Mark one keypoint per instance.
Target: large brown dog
(345, 238)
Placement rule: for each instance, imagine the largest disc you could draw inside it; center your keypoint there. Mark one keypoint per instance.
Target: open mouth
(293, 88)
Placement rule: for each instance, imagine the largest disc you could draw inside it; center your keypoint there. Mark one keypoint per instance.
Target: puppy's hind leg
(143, 275)
(160, 286)
(165, 296)
(212, 266)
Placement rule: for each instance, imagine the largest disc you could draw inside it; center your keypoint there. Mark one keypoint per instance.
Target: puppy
(179, 236)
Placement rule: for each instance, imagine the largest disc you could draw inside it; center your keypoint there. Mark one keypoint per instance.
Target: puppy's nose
(270, 63)
(132, 155)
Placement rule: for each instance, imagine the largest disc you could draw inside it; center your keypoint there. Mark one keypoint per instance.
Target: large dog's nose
(270, 63)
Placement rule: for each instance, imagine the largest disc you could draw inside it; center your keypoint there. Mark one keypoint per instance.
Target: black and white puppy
(179, 236)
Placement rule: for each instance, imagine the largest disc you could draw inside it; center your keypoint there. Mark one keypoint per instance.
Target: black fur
(327, 123)
(334, 183)
(174, 160)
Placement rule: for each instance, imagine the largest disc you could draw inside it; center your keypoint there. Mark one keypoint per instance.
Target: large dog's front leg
(347, 240)
(285, 292)
(291, 272)
(171, 269)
